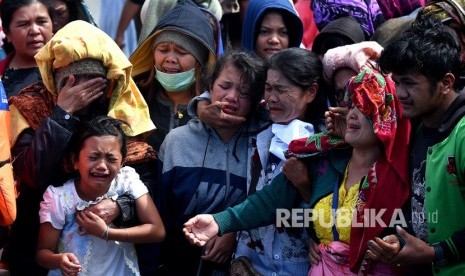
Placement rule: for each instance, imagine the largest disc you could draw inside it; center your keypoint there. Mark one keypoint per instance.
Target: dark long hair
(9, 7)
(303, 68)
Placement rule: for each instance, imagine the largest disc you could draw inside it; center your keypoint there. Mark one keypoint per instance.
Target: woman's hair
(9, 7)
(252, 69)
(98, 126)
(76, 11)
(303, 68)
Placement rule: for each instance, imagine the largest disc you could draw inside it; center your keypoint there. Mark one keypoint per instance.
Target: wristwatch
(439, 257)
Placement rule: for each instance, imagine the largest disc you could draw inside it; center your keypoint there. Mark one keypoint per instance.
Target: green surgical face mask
(175, 82)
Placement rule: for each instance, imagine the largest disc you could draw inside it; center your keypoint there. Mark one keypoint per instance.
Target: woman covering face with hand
(84, 74)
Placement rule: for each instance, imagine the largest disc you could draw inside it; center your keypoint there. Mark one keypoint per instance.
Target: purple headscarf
(366, 12)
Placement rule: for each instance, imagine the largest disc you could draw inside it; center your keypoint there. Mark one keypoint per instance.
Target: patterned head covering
(449, 12)
(386, 186)
(367, 92)
(366, 13)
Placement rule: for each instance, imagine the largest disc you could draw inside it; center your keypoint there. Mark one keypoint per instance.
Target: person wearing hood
(168, 66)
(85, 74)
(270, 26)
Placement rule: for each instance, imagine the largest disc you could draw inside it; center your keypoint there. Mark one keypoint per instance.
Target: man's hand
(106, 209)
(200, 229)
(212, 114)
(296, 171)
(387, 250)
(314, 252)
(72, 98)
(220, 249)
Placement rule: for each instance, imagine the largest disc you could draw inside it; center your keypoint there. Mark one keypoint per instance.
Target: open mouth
(272, 50)
(353, 126)
(171, 70)
(100, 176)
(229, 109)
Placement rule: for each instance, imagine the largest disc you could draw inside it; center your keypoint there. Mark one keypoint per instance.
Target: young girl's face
(99, 161)
(272, 35)
(229, 87)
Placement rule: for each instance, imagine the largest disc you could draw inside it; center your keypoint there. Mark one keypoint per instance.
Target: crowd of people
(233, 137)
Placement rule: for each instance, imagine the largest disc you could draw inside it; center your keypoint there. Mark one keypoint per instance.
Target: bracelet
(106, 233)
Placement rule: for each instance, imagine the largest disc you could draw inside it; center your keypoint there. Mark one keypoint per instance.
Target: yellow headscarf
(80, 40)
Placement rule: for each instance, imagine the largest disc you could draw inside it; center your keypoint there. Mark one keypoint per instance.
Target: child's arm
(151, 228)
(46, 256)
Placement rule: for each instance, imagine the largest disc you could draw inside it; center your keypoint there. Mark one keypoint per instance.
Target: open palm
(200, 229)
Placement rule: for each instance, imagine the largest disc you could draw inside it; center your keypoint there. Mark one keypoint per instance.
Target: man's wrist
(439, 256)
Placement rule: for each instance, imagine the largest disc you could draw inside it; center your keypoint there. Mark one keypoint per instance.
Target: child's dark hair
(252, 69)
(427, 47)
(98, 126)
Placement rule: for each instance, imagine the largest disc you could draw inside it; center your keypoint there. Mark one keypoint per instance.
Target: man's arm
(128, 12)
(38, 154)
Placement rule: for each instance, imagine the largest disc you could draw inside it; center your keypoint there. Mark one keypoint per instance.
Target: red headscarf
(387, 183)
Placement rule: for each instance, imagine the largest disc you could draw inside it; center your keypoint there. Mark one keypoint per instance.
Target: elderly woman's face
(171, 58)
(272, 35)
(359, 131)
(285, 100)
(30, 29)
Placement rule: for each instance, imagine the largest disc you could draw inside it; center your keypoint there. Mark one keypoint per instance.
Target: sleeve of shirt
(454, 247)
(192, 106)
(52, 207)
(260, 208)
(132, 182)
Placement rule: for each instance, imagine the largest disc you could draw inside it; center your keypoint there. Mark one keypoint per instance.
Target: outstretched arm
(257, 210)
(200, 229)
